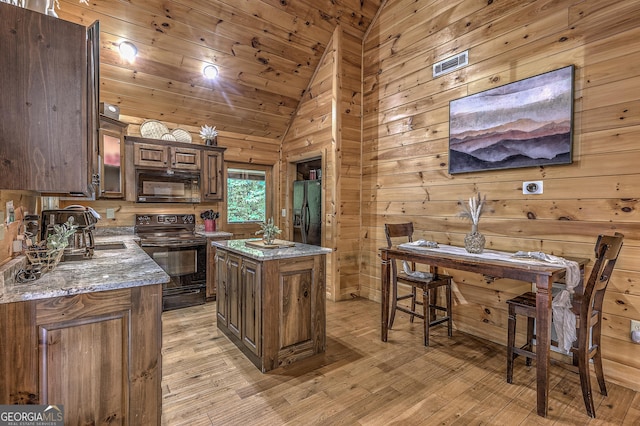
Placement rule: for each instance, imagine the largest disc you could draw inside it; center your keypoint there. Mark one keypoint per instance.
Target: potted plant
(209, 134)
(269, 231)
(209, 217)
(474, 241)
(50, 252)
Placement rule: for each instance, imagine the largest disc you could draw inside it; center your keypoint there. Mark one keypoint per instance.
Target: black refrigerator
(307, 211)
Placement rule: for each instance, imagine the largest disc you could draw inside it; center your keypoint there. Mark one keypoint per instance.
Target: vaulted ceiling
(266, 51)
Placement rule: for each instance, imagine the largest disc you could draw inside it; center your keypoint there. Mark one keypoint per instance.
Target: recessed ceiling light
(210, 71)
(127, 50)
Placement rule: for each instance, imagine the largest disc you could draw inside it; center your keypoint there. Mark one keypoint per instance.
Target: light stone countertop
(107, 270)
(299, 250)
(215, 234)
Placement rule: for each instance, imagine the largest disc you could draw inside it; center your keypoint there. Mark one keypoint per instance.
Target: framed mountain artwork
(527, 123)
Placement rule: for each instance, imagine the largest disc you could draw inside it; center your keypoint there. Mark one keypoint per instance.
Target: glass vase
(268, 239)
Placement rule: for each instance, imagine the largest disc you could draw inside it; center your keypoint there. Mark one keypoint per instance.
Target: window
(246, 195)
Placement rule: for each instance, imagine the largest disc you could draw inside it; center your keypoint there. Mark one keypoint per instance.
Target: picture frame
(527, 123)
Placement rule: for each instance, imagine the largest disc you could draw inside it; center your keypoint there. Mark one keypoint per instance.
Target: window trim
(247, 229)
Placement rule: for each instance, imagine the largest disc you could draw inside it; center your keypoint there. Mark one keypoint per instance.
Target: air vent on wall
(451, 64)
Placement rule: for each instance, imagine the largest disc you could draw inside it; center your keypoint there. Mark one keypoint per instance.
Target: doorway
(307, 202)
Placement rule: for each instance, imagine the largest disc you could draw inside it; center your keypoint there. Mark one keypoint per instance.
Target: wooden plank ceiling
(266, 51)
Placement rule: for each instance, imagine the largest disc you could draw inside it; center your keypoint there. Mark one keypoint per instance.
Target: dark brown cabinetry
(251, 317)
(213, 183)
(239, 301)
(44, 103)
(222, 305)
(109, 158)
(166, 156)
(143, 153)
(212, 279)
(273, 310)
(98, 354)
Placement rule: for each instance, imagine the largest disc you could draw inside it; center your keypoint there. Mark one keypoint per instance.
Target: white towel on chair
(564, 320)
(412, 245)
(416, 274)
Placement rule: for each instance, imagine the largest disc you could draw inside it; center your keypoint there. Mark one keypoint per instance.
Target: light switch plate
(111, 213)
(635, 331)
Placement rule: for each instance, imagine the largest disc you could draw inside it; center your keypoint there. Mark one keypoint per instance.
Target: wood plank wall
(327, 125)
(349, 178)
(405, 145)
(311, 135)
(24, 202)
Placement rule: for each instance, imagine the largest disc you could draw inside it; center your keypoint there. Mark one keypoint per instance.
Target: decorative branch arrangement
(474, 210)
(474, 241)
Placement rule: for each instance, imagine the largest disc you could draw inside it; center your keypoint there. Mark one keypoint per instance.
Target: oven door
(185, 263)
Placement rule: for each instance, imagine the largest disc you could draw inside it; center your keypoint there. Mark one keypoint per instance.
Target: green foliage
(246, 200)
(59, 239)
(269, 230)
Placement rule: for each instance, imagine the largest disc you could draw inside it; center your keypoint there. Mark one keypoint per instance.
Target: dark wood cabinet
(222, 306)
(212, 267)
(98, 354)
(109, 164)
(212, 179)
(251, 317)
(45, 105)
(233, 287)
(166, 156)
(144, 153)
(273, 310)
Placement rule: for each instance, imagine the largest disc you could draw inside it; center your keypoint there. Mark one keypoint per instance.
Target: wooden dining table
(491, 264)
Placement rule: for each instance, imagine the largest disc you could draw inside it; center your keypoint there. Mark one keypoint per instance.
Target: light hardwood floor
(363, 381)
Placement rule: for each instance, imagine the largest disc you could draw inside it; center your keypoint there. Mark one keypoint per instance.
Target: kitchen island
(86, 335)
(271, 301)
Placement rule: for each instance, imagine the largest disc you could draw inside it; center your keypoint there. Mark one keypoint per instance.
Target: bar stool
(587, 305)
(404, 231)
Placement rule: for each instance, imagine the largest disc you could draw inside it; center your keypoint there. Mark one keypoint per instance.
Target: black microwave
(167, 186)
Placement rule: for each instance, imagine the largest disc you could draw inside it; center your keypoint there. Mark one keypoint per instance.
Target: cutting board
(276, 244)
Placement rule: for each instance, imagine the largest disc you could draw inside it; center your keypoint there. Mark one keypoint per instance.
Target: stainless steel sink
(115, 245)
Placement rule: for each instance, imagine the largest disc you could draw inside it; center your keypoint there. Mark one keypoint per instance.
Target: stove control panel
(143, 219)
(165, 219)
(170, 219)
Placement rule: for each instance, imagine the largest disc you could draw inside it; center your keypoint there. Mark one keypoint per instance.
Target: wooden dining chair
(587, 305)
(401, 233)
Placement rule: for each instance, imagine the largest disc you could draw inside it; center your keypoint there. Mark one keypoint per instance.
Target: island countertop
(262, 254)
(107, 270)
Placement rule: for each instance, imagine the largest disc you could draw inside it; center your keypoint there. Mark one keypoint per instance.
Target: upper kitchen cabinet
(153, 154)
(46, 109)
(110, 158)
(213, 182)
(166, 155)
